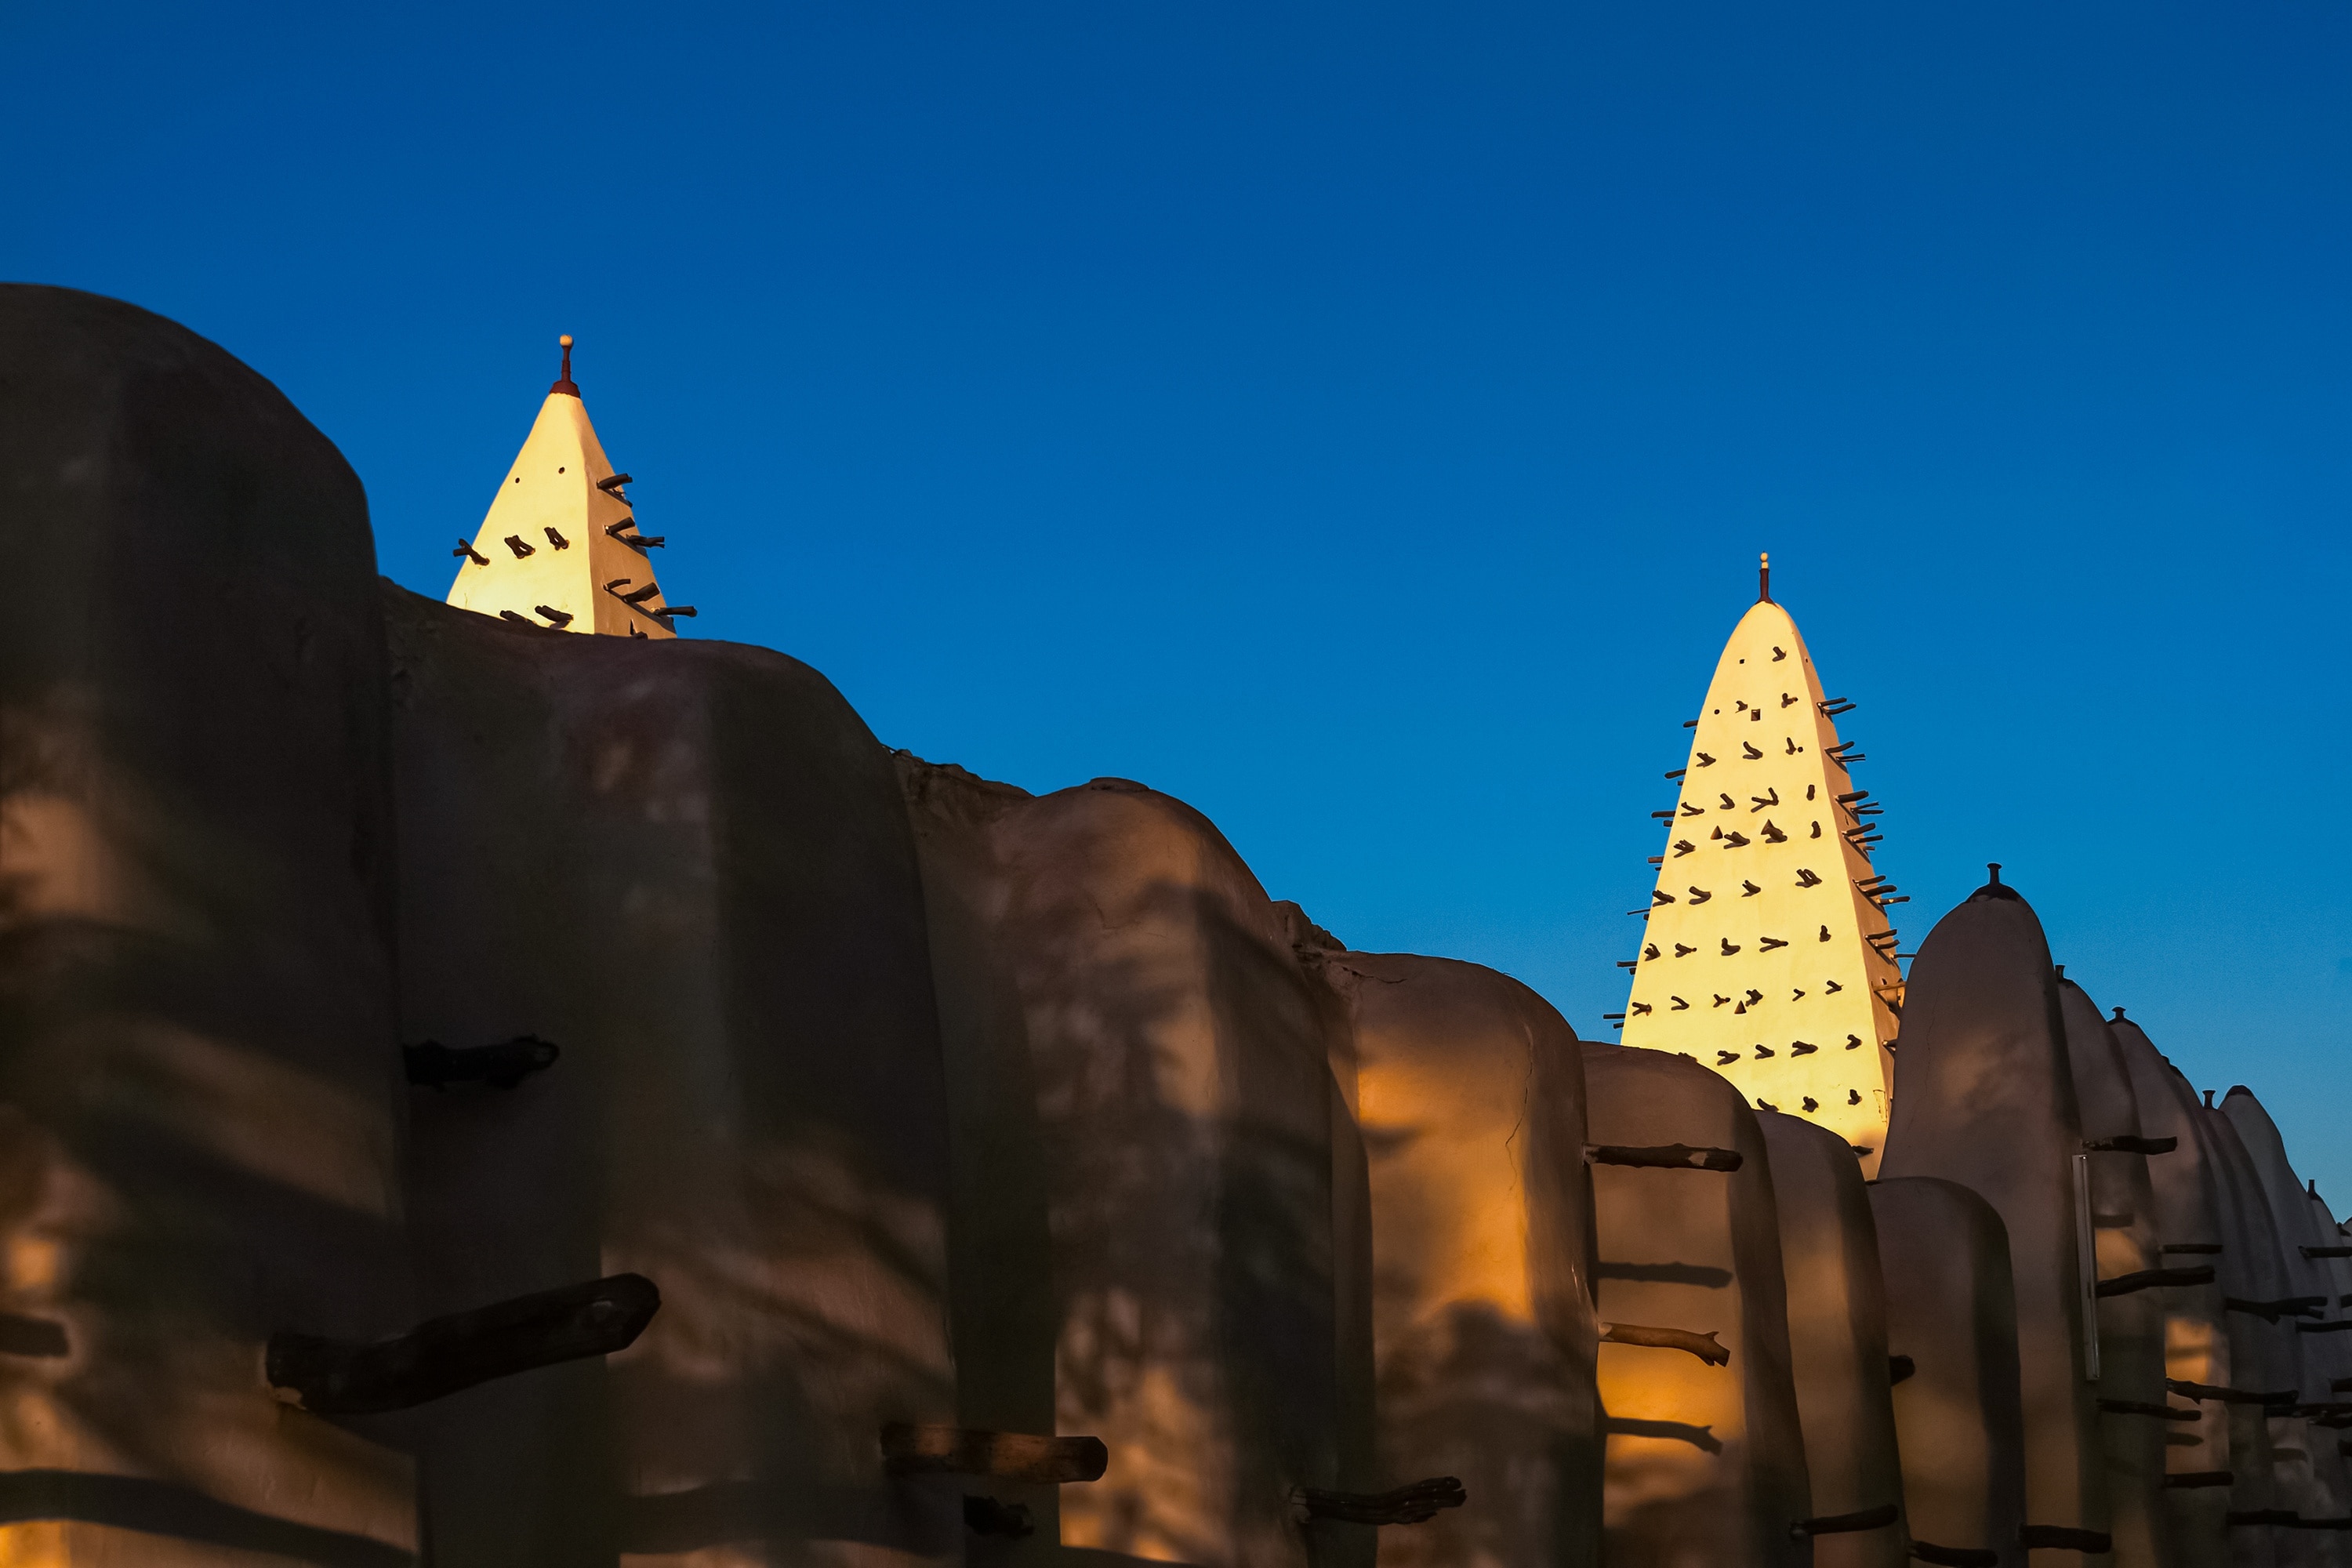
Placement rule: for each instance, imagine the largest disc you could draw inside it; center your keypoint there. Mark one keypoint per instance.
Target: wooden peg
(1664, 1156)
(337, 1377)
(1704, 1346)
(912, 1450)
(1413, 1504)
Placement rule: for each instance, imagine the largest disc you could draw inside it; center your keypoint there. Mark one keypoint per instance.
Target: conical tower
(1768, 955)
(560, 546)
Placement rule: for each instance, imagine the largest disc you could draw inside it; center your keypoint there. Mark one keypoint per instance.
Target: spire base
(1996, 888)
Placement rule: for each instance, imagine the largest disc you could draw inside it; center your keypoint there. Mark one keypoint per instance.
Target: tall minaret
(1767, 955)
(559, 547)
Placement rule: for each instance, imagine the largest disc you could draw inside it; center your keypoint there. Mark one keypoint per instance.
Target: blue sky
(1362, 421)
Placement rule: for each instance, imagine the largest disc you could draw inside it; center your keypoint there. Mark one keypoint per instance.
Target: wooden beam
(911, 1451)
(340, 1377)
(1412, 1504)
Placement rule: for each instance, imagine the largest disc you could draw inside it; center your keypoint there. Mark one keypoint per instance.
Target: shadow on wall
(1181, 1337)
(134, 1148)
(1140, 1066)
(773, 1312)
(1469, 1091)
(1473, 1395)
(690, 865)
(197, 1057)
(161, 1509)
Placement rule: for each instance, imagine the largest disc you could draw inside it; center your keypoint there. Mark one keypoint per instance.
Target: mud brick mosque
(490, 1084)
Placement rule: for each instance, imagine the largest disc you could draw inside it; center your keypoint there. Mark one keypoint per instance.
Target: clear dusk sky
(1362, 421)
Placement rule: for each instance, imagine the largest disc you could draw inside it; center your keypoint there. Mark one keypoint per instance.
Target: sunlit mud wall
(475, 1095)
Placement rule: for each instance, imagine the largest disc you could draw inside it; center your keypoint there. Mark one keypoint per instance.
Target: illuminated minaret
(1767, 954)
(560, 546)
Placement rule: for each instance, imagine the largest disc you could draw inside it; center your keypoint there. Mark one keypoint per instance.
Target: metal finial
(2118, 1017)
(1994, 866)
(1764, 577)
(564, 382)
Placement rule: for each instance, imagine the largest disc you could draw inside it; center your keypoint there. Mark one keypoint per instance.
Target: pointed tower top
(1764, 577)
(564, 382)
(560, 546)
(1767, 955)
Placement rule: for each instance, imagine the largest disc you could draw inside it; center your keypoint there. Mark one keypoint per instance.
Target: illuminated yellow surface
(1447, 1179)
(1673, 1393)
(39, 1543)
(1761, 946)
(552, 486)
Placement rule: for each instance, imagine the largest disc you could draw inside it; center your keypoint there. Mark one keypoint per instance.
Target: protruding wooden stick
(1664, 1156)
(2272, 1311)
(436, 1066)
(2156, 1279)
(911, 1451)
(986, 1516)
(2144, 1408)
(337, 1377)
(2226, 1396)
(2184, 1480)
(1703, 1346)
(2064, 1538)
(1406, 1505)
(2131, 1144)
(1877, 1518)
(1954, 1556)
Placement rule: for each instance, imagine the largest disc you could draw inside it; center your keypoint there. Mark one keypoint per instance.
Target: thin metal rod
(2087, 1269)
